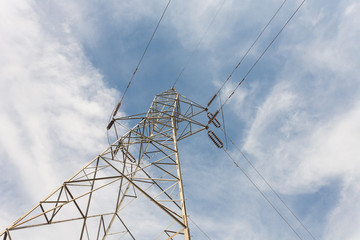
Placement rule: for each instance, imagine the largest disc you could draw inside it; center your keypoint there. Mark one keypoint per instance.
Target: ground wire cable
(263, 194)
(267, 183)
(259, 58)
(139, 63)
(116, 109)
(200, 41)
(272, 189)
(249, 49)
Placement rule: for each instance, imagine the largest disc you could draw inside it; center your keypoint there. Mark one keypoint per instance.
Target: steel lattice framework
(142, 164)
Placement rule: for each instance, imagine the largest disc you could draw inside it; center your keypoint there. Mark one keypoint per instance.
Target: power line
(247, 52)
(239, 63)
(263, 194)
(252, 67)
(139, 63)
(271, 188)
(200, 41)
(262, 54)
(226, 137)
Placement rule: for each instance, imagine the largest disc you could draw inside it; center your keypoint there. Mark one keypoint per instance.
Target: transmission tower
(140, 172)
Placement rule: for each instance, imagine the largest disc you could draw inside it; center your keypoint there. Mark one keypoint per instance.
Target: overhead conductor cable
(247, 52)
(262, 193)
(138, 65)
(232, 93)
(271, 188)
(262, 54)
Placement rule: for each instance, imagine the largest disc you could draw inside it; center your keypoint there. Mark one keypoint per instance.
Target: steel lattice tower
(142, 165)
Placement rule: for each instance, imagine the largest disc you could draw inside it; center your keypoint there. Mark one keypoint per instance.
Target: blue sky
(65, 64)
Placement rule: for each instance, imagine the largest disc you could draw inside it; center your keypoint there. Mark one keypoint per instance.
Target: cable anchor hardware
(211, 100)
(215, 139)
(111, 123)
(117, 108)
(213, 119)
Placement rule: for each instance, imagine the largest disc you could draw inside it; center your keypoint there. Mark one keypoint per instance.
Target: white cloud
(306, 132)
(85, 19)
(54, 106)
(344, 219)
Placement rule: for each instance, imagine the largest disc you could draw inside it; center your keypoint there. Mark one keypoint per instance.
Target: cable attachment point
(215, 139)
(213, 119)
(211, 100)
(117, 108)
(111, 123)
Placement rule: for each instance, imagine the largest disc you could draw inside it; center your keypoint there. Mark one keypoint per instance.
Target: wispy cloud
(297, 115)
(305, 134)
(54, 107)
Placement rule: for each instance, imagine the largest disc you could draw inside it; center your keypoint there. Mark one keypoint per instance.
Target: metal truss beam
(143, 163)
